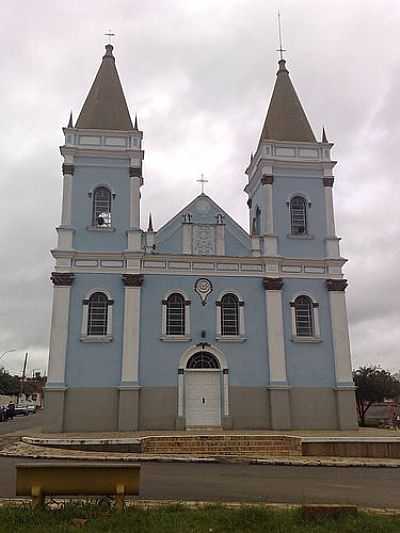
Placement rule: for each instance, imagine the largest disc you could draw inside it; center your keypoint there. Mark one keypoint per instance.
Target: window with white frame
(305, 318)
(175, 314)
(101, 217)
(175, 317)
(97, 317)
(230, 315)
(298, 216)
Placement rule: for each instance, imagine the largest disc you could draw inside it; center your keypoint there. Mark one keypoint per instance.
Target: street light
(6, 352)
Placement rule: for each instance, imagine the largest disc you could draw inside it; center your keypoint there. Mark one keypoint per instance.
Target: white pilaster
(59, 328)
(134, 215)
(226, 391)
(270, 241)
(255, 246)
(130, 350)
(268, 227)
(332, 242)
(274, 321)
(340, 331)
(67, 199)
(180, 392)
(187, 237)
(135, 240)
(220, 239)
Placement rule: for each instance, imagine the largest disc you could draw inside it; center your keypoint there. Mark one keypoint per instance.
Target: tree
(8, 384)
(374, 384)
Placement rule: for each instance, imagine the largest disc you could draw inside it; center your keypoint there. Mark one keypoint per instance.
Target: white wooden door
(202, 398)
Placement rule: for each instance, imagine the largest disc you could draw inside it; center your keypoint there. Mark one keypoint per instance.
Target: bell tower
(290, 180)
(102, 170)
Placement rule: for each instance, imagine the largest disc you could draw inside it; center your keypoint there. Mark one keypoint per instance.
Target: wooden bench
(39, 480)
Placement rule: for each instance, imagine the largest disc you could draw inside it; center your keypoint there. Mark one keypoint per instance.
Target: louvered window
(229, 315)
(298, 216)
(175, 315)
(102, 208)
(97, 314)
(304, 316)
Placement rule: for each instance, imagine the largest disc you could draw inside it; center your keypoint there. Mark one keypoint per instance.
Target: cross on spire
(280, 49)
(110, 35)
(202, 180)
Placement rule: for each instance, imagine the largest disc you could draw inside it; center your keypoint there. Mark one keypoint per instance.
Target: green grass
(180, 519)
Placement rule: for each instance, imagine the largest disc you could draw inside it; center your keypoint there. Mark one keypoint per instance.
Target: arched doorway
(203, 390)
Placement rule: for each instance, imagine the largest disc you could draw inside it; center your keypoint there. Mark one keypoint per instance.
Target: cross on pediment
(202, 180)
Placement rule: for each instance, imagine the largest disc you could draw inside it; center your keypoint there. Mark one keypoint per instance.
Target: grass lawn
(180, 519)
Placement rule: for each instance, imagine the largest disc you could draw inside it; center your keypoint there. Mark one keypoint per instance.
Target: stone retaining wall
(352, 449)
(251, 445)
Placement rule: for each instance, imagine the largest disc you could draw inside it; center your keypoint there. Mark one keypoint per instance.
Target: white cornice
(172, 264)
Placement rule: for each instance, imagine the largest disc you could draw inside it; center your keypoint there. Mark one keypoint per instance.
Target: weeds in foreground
(73, 518)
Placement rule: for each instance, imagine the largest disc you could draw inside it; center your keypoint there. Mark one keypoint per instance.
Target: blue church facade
(199, 324)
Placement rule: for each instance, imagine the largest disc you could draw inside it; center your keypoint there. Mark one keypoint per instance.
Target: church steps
(223, 445)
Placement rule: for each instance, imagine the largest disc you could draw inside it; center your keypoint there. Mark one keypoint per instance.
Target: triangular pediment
(203, 212)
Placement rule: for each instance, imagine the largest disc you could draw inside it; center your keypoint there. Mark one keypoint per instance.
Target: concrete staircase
(211, 445)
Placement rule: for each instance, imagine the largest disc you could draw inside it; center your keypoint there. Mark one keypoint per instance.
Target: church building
(200, 323)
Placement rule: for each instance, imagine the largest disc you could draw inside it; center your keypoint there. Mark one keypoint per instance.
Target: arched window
(203, 360)
(175, 314)
(230, 315)
(97, 314)
(298, 216)
(102, 208)
(303, 308)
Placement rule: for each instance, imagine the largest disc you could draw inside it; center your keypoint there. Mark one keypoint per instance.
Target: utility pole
(21, 389)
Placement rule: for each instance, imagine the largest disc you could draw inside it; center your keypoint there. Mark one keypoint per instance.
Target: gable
(203, 222)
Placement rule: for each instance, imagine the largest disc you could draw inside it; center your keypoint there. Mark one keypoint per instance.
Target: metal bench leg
(120, 497)
(37, 497)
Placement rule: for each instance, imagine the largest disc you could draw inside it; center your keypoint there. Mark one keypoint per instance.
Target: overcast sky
(200, 75)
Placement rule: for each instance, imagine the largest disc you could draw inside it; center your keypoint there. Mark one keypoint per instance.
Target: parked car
(24, 409)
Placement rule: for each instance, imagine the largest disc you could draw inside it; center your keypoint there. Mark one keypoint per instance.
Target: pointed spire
(70, 121)
(105, 107)
(286, 119)
(135, 127)
(150, 226)
(324, 137)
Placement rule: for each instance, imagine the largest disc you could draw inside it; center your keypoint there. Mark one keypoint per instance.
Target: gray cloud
(200, 76)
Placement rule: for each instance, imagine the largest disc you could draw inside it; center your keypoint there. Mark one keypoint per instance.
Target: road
(22, 423)
(372, 487)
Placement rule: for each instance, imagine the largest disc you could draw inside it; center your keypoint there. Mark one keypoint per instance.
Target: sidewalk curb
(148, 504)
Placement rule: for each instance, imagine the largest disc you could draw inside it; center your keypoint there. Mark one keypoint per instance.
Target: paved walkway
(361, 432)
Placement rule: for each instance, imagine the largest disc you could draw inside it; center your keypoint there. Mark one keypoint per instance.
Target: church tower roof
(105, 107)
(286, 119)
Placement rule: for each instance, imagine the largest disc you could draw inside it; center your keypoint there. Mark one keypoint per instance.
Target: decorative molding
(273, 284)
(132, 280)
(328, 182)
(203, 287)
(135, 172)
(62, 279)
(267, 180)
(68, 169)
(336, 284)
(204, 239)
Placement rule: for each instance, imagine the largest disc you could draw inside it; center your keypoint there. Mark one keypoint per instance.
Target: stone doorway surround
(224, 386)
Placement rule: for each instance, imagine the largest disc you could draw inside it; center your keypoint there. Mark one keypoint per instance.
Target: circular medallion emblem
(203, 287)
